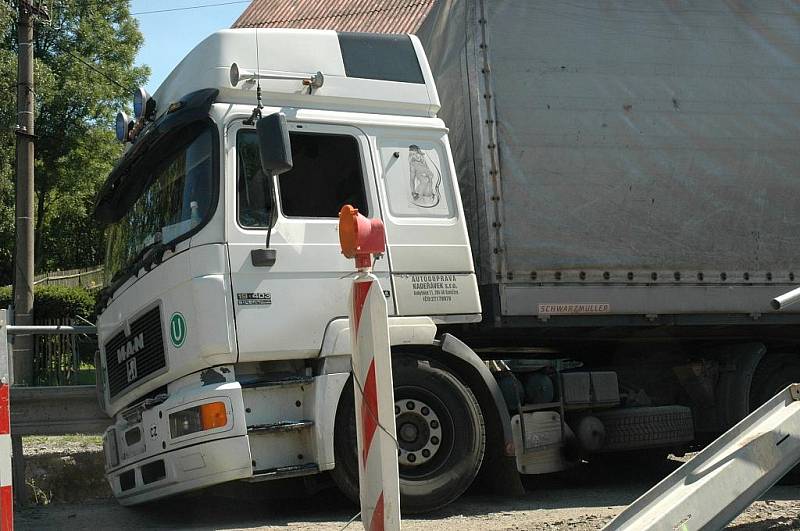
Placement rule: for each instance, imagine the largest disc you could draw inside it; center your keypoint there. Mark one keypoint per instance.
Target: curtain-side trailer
(629, 177)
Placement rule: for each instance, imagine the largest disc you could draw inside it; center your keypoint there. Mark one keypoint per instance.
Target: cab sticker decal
(263, 298)
(424, 184)
(177, 329)
(435, 288)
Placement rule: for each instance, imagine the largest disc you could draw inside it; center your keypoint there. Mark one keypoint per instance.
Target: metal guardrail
(720, 482)
(56, 411)
(49, 330)
(47, 410)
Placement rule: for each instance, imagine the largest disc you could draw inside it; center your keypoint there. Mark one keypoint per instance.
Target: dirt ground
(581, 499)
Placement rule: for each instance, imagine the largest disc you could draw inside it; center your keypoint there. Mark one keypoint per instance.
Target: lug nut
(426, 453)
(396, 410)
(425, 411)
(434, 440)
(410, 405)
(434, 424)
(412, 458)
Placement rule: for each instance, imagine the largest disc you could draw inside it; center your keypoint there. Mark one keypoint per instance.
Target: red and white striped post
(6, 495)
(379, 487)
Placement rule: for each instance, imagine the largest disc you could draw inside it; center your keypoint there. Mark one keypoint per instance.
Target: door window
(327, 174)
(253, 198)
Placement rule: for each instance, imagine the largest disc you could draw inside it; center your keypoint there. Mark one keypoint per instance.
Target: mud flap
(499, 469)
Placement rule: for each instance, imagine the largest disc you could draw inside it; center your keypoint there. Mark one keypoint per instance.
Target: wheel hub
(419, 432)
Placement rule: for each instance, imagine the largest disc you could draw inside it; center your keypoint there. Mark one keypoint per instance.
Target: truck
(587, 211)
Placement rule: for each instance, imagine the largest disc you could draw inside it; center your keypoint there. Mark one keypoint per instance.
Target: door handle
(263, 257)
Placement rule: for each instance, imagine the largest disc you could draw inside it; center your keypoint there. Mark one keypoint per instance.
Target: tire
(445, 459)
(646, 427)
(773, 374)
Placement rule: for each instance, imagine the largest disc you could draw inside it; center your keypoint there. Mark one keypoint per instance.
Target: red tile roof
(381, 16)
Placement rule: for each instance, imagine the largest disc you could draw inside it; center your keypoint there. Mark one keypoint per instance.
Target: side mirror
(274, 147)
(275, 152)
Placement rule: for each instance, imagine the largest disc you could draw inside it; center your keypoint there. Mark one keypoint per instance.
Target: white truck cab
(216, 367)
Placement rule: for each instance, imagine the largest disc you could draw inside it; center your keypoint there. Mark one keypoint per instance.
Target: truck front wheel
(440, 437)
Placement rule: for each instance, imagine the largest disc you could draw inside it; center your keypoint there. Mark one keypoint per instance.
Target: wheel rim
(419, 432)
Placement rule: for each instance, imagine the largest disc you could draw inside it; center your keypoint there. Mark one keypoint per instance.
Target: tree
(8, 73)
(75, 109)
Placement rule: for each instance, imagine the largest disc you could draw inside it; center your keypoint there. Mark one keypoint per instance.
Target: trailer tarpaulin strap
(379, 488)
(6, 498)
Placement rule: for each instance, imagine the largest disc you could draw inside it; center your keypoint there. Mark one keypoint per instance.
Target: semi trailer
(587, 211)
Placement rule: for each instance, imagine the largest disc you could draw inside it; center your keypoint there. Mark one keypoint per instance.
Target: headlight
(198, 418)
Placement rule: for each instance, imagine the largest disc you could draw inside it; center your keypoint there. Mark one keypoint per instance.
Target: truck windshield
(176, 199)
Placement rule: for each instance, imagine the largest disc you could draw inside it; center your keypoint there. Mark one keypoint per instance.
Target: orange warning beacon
(360, 237)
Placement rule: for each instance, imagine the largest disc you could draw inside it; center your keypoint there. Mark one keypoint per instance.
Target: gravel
(585, 498)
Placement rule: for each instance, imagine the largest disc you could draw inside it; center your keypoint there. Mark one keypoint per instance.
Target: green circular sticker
(177, 329)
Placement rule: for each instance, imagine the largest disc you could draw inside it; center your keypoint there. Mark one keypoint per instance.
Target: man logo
(130, 348)
(131, 369)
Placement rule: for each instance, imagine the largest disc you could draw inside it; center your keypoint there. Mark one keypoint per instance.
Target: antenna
(257, 110)
(269, 180)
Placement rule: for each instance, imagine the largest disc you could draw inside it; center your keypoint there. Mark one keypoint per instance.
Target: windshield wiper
(154, 254)
(151, 255)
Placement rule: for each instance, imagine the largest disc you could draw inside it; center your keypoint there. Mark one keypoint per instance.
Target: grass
(64, 444)
(75, 439)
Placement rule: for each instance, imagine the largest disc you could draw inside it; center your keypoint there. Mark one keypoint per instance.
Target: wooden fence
(88, 277)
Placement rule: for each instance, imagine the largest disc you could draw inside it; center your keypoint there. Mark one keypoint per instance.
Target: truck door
(282, 310)
(432, 269)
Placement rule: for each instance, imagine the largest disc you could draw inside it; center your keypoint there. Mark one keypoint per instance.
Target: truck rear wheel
(773, 374)
(440, 435)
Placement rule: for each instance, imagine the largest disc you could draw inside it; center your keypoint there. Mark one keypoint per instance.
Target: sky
(168, 36)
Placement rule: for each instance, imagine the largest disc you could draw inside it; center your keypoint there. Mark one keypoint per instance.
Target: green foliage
(53, 302)
(75, 109)
(8, 73)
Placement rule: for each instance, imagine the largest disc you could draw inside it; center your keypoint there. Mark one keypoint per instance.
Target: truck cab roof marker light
(144, 108)
(143, 104)
(311, 80)
(123, 126)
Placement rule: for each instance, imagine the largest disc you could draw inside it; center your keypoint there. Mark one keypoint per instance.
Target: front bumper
(145, 462)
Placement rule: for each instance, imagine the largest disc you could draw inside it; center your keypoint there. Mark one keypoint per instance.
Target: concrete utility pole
(23, 266)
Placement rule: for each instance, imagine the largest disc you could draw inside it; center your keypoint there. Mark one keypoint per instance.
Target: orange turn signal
(213, 415)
